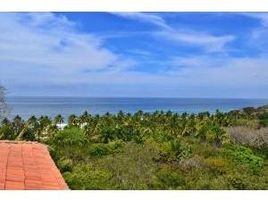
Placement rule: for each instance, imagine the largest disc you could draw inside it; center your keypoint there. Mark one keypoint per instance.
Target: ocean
(51, 106)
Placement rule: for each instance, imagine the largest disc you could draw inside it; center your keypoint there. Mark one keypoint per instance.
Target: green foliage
(218, 165)
(7, 133)
(161, 136)
(264, 119)
(101, 149)
(132, 168)
(211, 132)
(205, 150)
(244, 156)
(125, 132)
(174, 150)
(65, 164)
(71, 136)
(85, 177)
(242, 181)
(29, 135)
(237, 182)
(167, 179)
(160, 150)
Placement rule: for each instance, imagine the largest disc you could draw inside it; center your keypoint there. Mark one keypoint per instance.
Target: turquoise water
(51, 106)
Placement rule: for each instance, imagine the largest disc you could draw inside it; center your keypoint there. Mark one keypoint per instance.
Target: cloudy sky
(135, 54)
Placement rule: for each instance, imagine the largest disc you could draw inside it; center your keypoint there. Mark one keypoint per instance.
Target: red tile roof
(28, 165)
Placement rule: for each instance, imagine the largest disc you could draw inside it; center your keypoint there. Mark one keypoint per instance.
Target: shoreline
(265, 107)
(51, 107)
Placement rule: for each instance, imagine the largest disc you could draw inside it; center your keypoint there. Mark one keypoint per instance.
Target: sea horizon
(137, 97)
(27, 106)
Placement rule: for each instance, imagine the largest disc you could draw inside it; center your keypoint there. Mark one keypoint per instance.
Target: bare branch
(3, 105)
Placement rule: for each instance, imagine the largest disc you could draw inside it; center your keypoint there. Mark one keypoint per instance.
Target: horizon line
(130, 97)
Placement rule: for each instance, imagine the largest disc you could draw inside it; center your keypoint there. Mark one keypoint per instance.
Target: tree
(72, 120)
(3, 105)
(58, 119)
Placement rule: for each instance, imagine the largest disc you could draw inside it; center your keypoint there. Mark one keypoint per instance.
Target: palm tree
(120, 114)
(22, 132)
(58, 119)
(71, 120)
(5, 121)
(17, 124)
(85, 117)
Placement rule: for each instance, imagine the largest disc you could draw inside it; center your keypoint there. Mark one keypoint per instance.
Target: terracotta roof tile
(28, 165)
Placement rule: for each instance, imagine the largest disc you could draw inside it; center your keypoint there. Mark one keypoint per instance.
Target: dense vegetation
(160, 150)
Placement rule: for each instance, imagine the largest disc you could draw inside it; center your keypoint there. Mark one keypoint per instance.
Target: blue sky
(219, 55)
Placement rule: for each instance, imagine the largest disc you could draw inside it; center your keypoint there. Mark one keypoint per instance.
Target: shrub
(248, 136)
(244, 156)
(71, 136)
(167, 179)
(195, 162)
(240, 180)
(205, 150)
(264, 119)
(197, 179)
(114, 145)
(107, 133)
(132, 168)
(218, 165)
(212, 133)
(65, 164)
(236, 182)
(85, 177)
(162, 136)
(101, 149)
(128, 132)
(174, 150)
(7, 133)
(29, 135)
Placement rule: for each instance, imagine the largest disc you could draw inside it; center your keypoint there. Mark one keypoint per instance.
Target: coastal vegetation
(159, 150)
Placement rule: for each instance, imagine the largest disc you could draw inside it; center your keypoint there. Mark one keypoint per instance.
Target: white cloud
(145, 17)
(263, 17)
(221, 71)
(202, 76)
(209, 42)
(46, 50)
(45, 42)
(198, 61)
(258, 35)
